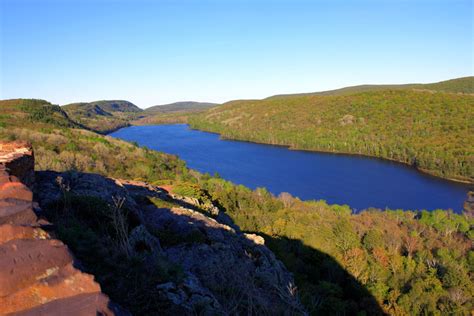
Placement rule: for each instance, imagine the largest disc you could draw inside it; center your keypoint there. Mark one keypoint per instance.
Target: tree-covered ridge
(411, 262)
(177, 112)
(33, 112)
(103, 116)
(106, 105)
(178, 107)
(432, 131)
(458, 85)
(165, 118)
(60, 144)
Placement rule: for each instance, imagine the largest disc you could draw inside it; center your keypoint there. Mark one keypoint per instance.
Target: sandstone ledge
(37, 273)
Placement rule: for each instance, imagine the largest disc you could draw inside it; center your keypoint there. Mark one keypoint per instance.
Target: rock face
(37, 273)
(18, 158)
(224, 270)
(16, 172)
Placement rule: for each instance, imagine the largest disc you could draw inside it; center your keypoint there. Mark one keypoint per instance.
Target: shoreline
(222, 137)
(424, 171)
(467, 186)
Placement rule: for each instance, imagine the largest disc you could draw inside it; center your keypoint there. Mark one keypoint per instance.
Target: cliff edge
(37, 275)
(151, 251)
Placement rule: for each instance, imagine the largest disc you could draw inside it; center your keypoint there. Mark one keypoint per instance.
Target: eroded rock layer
(37, 275)
(224, 271)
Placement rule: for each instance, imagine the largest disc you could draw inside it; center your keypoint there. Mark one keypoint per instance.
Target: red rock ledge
(37, 276)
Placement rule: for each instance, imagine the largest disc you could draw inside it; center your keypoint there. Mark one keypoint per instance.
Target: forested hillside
(177, 112)
(178, 107)
(432, 131)
(459, 85)
(61, 144)
(103, 116)
(411, 263)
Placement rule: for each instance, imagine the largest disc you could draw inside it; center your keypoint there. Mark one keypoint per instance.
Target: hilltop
(33, 113)
(463, 85)
(109, 106)
(103, 116)
(177, 112)
(179, 106)
(107, 116)
(432, 131)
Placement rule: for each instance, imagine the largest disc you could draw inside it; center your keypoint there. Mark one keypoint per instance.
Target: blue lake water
(360, 182)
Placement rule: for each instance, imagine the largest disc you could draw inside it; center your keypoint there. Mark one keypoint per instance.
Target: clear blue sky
(154, 52)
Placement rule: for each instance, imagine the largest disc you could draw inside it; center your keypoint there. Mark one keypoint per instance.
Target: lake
(360, 182)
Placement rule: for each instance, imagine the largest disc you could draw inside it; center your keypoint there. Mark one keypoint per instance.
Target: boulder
(258, 240)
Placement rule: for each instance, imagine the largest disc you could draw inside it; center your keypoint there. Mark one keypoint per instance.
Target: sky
(157, 52)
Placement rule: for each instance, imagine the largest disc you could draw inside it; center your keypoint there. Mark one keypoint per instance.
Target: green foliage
(59, 147)
(373, 239)
(162, 203)
(186, 106)
(459, 85)
(178, 112)
(410, 262)
(431, 131)
(188, 189)
(103, 116)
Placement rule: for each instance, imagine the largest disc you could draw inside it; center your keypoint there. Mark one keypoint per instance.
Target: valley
(350, 262)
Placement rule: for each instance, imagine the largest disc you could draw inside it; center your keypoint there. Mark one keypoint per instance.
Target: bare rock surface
(18, 158)
(37, 273)
(225, 271)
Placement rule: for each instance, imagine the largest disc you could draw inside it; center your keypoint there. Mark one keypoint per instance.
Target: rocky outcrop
(16, 172)
(239, 271)
(37, 275)
(17, 158)
(224, 270)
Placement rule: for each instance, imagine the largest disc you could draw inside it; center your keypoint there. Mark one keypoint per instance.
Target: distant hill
(178, 112)
(105, 105)
(179, 106)
(33, 112)
(407, 123)
(353, 264)
(459, 85)
(103, 116)
(109, 115)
